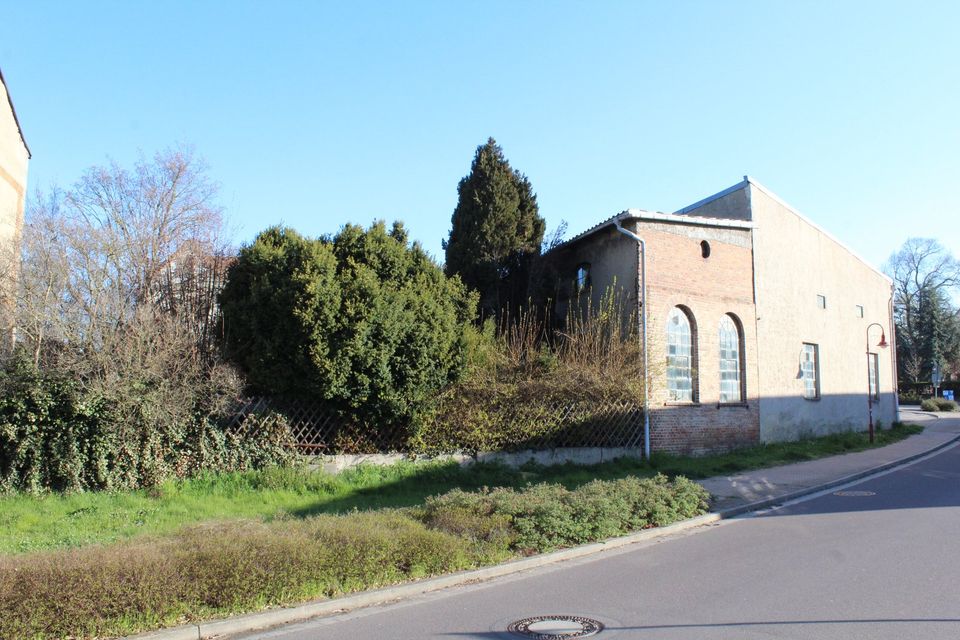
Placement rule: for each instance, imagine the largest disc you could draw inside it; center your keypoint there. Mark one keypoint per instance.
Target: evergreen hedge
(55, 435)
(363, 321)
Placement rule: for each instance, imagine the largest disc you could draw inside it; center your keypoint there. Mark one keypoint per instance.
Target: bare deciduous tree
(922, 264)
(119, 281)
(118, 243)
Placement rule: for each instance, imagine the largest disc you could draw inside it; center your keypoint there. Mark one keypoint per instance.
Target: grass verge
(46, 522)
(772, 455)
(212, 570)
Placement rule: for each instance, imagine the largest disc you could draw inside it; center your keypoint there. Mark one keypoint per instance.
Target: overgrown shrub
(362, 320)
(945, 405)
(218, 568)
(548, 516)
(57, 435)
(116, 309)
(526, 391)
(929, 405)
(909, 397)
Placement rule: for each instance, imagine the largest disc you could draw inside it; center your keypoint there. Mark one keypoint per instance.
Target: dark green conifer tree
(496, 232)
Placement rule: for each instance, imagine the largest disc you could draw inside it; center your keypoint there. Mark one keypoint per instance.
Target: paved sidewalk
(733, 493)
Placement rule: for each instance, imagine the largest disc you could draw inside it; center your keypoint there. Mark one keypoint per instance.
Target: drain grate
(555, 627)
(854, 494)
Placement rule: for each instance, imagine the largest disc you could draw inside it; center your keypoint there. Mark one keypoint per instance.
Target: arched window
(731, 376)
(680, 367)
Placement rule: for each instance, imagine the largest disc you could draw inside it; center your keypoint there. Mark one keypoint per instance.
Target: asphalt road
(866, 566)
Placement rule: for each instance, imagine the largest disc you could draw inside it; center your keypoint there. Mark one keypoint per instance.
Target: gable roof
(824, 232)
(14, 112)
(682, 217)
(699, 203)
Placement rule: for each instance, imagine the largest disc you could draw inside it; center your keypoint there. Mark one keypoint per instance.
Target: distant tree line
(925, 275)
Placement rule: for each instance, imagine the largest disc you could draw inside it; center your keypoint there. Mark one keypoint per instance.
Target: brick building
(14, 156)
(757, 320)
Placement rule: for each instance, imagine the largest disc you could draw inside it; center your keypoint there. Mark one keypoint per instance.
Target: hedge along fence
(467, 421)
(582, 389)
(54, 435)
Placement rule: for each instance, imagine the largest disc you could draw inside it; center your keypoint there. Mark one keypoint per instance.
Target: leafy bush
(945, 405)
(361, 320)
(547, 516)
(909, 397)
(929, 405)
(56, 435)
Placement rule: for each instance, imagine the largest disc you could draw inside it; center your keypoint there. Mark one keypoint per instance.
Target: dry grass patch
(218, 569)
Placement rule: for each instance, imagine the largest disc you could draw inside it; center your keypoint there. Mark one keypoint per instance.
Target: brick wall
(708, 288)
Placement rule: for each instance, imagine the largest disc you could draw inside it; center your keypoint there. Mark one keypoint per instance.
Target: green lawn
(31, 523)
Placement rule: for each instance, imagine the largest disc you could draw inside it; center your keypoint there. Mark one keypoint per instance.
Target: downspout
(893, 357)
(642, 309)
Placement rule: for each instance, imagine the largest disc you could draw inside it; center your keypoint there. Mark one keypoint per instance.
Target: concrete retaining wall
(576, 455)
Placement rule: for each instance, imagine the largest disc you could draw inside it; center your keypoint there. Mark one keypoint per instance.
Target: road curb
(276, 617)
(853, 477)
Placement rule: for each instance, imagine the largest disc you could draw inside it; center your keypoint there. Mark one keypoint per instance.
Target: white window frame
(731, 361)
(810, 366)
(681, 352)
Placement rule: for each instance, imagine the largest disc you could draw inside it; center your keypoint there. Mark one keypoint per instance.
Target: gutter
(642, 312)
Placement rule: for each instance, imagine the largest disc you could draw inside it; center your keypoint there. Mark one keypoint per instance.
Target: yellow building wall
(14, 158)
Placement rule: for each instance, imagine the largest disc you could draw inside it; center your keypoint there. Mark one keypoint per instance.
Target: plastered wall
(796, 262)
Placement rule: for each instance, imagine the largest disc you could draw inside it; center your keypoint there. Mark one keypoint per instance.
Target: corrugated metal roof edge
(680, 217)
(658, 216)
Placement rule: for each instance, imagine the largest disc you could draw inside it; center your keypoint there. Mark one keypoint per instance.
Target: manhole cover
(854, 494)
(555, 627)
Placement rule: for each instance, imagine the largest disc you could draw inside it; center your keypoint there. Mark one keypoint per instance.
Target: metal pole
(869, 379)
(642, 250)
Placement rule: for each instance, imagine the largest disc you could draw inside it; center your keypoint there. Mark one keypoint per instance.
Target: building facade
(14, 157)
(758, 321)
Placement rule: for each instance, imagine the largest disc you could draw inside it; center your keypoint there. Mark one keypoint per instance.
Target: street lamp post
(882, 344)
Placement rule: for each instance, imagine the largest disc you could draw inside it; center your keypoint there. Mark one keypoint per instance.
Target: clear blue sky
(316, 114)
